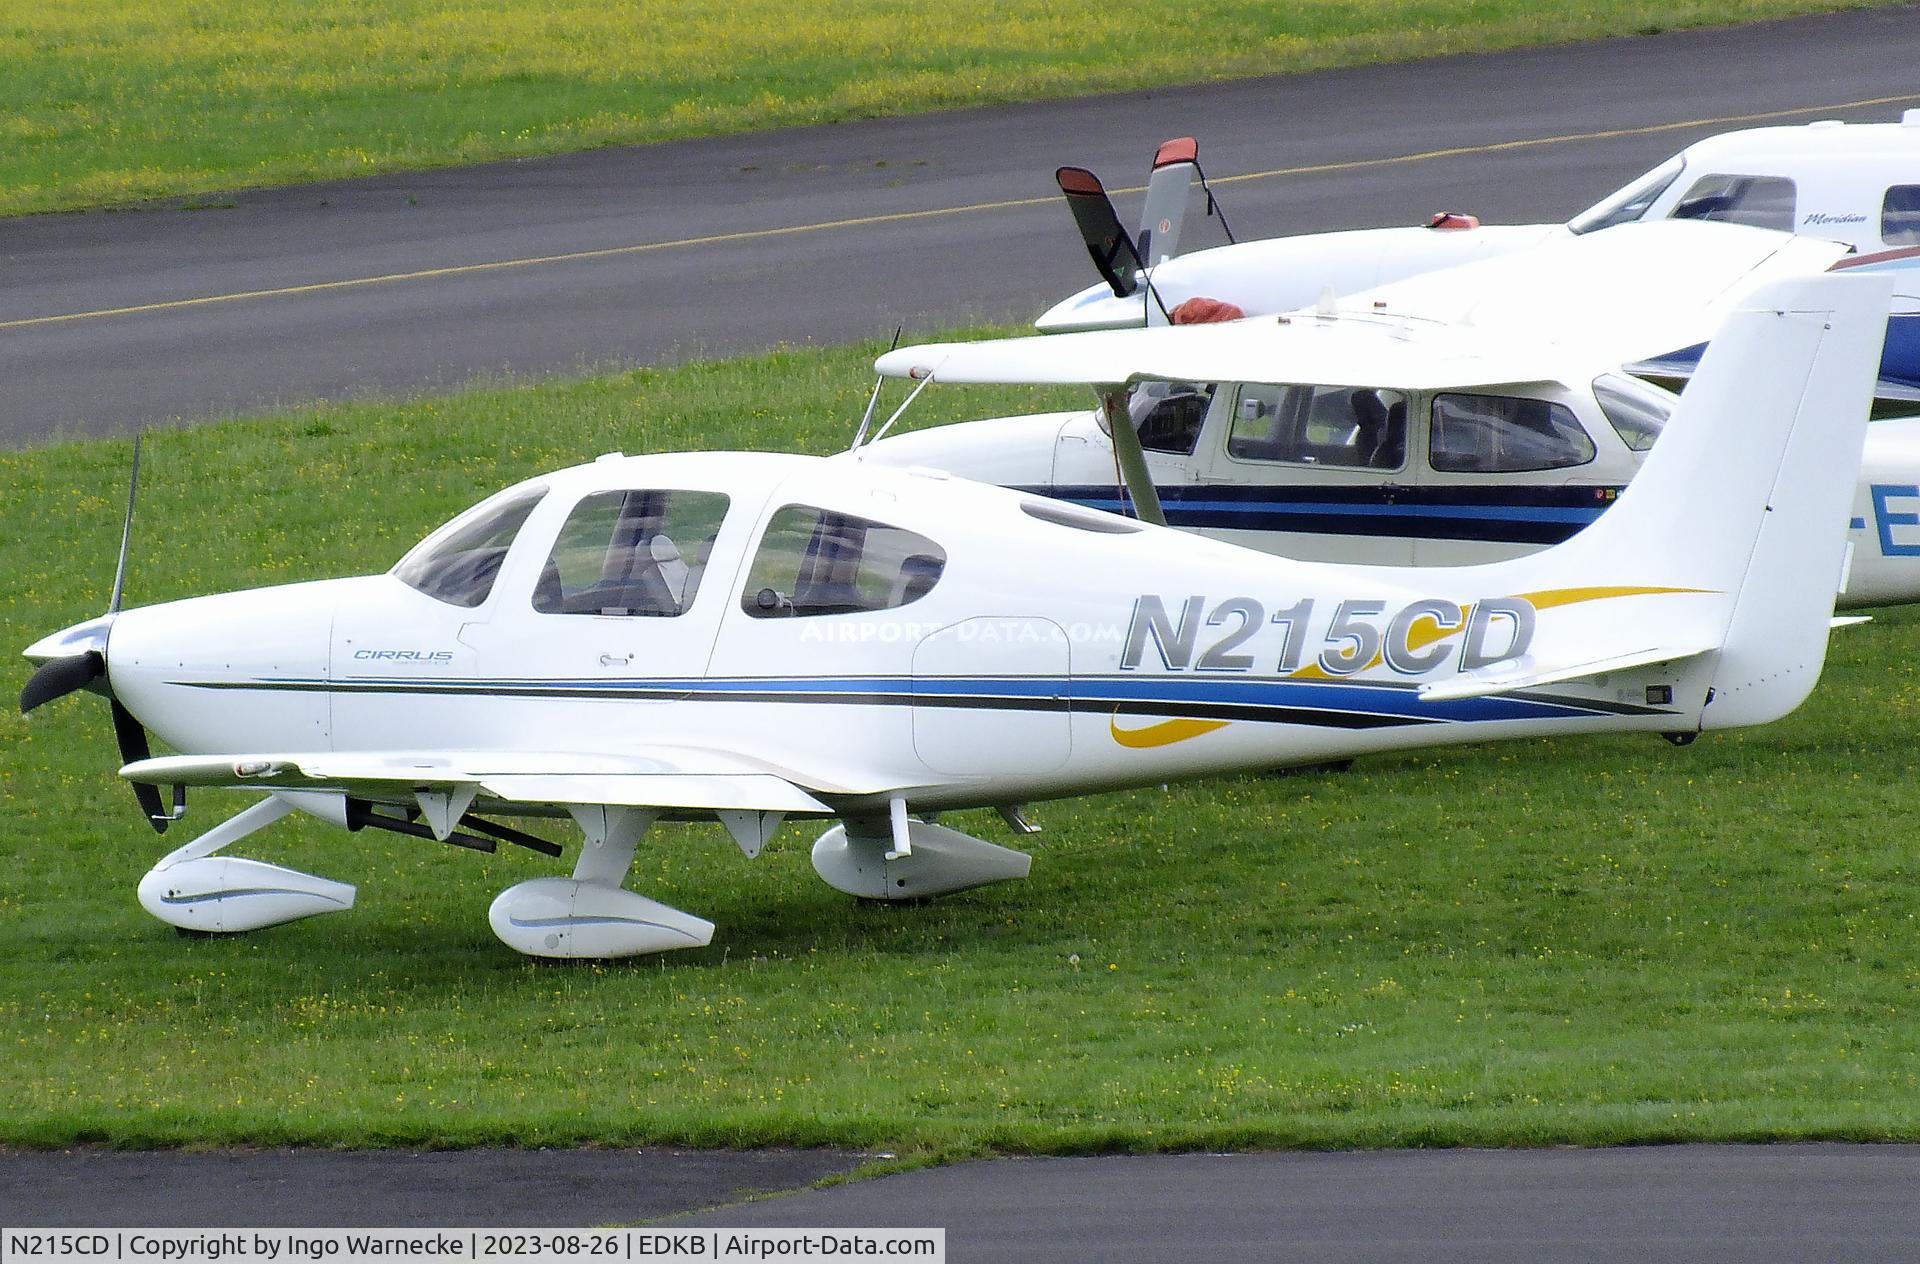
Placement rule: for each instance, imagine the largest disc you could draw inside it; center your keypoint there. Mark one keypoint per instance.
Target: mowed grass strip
(1540, 943)
(118, 100)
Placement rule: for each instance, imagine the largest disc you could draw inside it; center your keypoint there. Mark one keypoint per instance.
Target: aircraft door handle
(615, 660)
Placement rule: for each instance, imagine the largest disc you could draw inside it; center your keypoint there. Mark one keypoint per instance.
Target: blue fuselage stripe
(1241, 696)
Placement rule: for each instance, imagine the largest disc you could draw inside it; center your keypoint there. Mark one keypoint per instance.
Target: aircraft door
(1505, 473)
(991, 696)
(612, 604)
(1314, 472)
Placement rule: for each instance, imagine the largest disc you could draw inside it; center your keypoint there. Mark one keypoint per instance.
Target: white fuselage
(1052, 657)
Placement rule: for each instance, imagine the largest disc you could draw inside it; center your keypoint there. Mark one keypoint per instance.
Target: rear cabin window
(1504, 434)
(631, 553)
(1320, 425)
(1900, 216)
(1756, 201)
(1168, 415)
(1636, 412)
(814, 561)
(459, 567)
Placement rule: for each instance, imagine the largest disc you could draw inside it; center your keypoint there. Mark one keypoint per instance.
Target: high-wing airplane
(752, 637)
(1459, 416)
(1857, 184)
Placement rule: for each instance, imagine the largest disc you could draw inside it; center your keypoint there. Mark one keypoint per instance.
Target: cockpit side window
(1900, 216)
(458, 566)
(631, 553)
(1756, 201)
(1169, 415)
(1629, 204)
(814, 561)
(1637, 412)
(1339, 426)
(1504, 434)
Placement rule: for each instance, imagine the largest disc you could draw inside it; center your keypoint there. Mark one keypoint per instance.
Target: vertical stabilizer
(1747, 493)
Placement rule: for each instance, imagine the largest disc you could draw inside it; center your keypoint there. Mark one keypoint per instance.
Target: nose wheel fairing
(194, 890)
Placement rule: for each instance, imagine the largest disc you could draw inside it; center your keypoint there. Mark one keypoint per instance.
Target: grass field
(1587, 942)
(118, 100)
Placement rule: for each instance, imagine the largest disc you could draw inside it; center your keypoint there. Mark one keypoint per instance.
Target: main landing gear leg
(590, 915)
(196, 891)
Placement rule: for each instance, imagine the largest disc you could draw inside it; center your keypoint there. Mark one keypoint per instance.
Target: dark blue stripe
(1169, 692)
(1493, 513)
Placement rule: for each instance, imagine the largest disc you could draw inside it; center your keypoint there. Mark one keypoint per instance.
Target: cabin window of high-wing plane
(814, 561)
(631, 553)
(1504, 434)
(1169, 415)
(1635, 410)
(1320, 425)
(458, 563)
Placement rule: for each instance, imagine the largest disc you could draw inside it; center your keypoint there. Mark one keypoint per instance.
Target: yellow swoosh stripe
(1165, 733)
(1552, 597)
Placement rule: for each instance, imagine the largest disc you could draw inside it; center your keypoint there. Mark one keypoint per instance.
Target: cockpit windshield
(1636, 410)
(1629, 204)
(458, 563)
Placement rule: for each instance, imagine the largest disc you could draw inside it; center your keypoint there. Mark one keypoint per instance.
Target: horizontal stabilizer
(1526, 673)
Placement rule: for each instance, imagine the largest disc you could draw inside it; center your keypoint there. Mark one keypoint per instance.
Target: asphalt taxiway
(1751, 1204)
(114, 320)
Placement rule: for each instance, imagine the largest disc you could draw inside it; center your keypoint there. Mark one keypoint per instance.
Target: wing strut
(1131, 458)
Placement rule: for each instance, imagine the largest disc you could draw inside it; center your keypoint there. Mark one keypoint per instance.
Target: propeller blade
(59, 677)
(126, 532)
(132, 737)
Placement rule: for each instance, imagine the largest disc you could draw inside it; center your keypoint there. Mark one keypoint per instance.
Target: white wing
(677, 778)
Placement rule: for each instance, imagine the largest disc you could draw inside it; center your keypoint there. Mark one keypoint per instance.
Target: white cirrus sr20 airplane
(753, 637)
